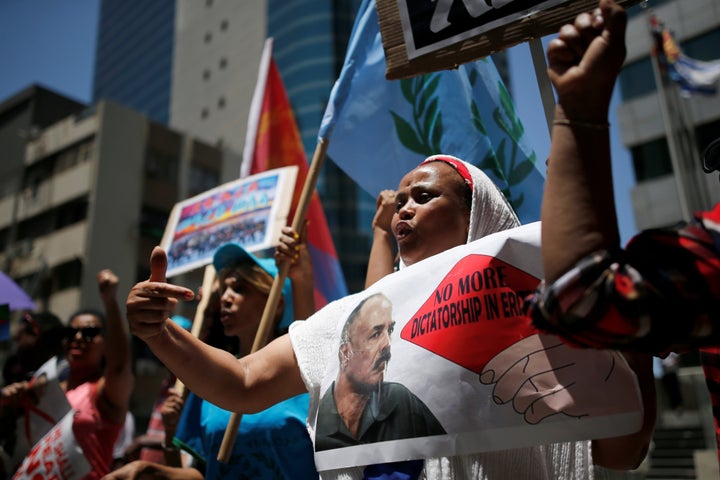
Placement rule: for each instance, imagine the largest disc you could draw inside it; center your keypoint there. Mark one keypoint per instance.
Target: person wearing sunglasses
(37, 339)
(100, 380)
(660, 293)
(97, 382)
(272, 442)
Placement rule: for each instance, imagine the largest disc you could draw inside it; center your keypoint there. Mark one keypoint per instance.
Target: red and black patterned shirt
(658, 295)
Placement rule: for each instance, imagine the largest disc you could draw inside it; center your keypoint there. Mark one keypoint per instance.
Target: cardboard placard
(250, 211)
(426, 36)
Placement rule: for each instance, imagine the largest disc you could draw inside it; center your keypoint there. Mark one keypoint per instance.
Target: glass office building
(133, 61)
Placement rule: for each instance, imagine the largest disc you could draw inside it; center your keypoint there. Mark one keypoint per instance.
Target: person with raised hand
(272, 442)
(659, 293)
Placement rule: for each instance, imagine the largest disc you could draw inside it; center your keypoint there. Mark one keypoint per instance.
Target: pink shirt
(95, 435)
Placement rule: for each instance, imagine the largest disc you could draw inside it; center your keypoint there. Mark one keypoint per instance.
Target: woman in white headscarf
(484, 206)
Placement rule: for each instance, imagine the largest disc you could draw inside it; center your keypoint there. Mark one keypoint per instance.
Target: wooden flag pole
(266, 322)
(208, 279)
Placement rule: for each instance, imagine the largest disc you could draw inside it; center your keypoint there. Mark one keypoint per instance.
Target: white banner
(250, 211)
(45, 405)
(56, 456)
(462, 369)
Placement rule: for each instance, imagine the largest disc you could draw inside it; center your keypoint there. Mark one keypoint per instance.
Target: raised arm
(248, 385)
(578, 211)
(382, 252)
(118, 384)
(293, 248)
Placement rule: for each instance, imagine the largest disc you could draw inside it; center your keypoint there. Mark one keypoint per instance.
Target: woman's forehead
(430, 172)
(234, 271)
(86, 320)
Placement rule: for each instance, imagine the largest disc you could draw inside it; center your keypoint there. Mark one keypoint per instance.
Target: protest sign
(43, 407)
(464, 371)
(250, 211)
(423, 36)
(57, 456)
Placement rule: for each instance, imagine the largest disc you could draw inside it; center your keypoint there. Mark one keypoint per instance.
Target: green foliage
(423, 133)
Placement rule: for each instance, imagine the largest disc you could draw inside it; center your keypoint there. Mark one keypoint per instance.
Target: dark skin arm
(382, 252)
(293, 248)
(118, 380)
(578, 211)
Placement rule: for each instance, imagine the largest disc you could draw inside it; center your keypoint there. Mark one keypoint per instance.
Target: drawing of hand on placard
(540, 376)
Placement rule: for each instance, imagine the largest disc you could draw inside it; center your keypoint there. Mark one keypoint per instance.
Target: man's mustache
(384, 357)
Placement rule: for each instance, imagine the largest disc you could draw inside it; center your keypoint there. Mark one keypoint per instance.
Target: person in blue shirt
(273, 443)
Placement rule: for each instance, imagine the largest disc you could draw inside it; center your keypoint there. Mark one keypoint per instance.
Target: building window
(208, 3)
(66, 275)
(85, 151)
(78, 154)
(206, 74)
(703, 47)
(223, 62)
(652, 160)
(202, 179)
(37, 226)
(152, 223)
(66, 160)
(224, 25)
(637, 79)
(161, 166)
(204, 113)
(71, 213)
(221, 102)
(208, 37)
(37, 174)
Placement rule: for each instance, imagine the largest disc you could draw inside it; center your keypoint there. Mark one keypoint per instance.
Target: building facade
(695, 25)
(133, 59)
(96, 189)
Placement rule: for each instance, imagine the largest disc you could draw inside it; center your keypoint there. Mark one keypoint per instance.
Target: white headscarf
(490, 211)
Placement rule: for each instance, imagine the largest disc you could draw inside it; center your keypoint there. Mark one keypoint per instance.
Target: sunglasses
(711, 156)
(87, 333)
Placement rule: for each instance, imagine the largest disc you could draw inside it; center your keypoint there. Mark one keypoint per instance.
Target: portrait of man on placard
(360, 407)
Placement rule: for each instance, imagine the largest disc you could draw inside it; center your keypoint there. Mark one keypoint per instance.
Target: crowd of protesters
(443, 203)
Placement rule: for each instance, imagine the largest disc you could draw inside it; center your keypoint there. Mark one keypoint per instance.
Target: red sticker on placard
(475, 312)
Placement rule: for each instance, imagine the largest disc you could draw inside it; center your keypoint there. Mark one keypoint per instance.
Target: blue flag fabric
(691, 75)
(378, 130)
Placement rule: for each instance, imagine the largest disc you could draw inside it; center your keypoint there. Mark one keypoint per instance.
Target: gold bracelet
(570, 123)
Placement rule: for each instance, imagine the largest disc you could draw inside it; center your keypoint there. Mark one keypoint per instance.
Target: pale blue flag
(378, 130)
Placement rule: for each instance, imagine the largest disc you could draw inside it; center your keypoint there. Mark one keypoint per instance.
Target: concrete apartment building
(95, 191)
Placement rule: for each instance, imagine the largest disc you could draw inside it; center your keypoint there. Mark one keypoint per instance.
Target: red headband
(457, 164)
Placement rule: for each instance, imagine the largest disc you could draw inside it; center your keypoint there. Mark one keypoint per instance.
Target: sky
(52, 43)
